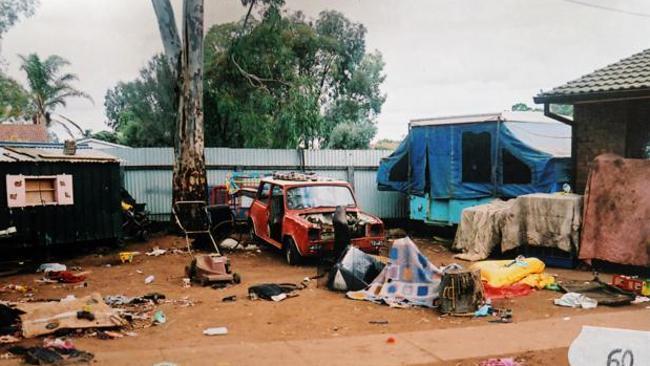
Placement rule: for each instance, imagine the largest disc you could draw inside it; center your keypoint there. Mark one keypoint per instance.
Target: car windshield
(319, 196)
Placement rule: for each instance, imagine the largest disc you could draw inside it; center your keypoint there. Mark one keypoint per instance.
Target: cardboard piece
(47, 317)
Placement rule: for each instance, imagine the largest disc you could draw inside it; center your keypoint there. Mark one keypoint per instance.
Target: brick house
(611, 112)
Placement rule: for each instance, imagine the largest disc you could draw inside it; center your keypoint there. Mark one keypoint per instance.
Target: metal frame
(186, 232)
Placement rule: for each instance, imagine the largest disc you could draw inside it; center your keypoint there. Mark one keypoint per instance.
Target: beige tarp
(479, 230)
(538, 219)
(63, 315)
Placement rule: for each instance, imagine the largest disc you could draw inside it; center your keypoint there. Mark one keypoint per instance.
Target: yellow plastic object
(127, 256)
(508, 272)
(126, 206)
(645, 290)
(538, 280)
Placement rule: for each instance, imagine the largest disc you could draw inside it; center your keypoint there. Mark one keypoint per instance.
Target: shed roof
(30, 154)
(627, 78)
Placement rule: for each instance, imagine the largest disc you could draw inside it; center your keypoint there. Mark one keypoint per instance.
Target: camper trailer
(447, 164)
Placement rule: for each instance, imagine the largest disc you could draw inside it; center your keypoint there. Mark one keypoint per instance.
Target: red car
(293, 212)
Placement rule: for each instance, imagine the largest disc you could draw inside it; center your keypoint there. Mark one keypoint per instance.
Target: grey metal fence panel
(148, 173)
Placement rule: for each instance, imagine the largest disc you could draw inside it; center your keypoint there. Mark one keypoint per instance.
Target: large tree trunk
(189, 180)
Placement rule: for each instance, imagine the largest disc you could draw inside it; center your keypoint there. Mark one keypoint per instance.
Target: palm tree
(49, 88)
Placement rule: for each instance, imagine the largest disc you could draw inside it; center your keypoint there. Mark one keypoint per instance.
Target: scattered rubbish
(576, 300)
(391, 340)
(553, 287)
(9, 318)
(51, 267)
(273, 291)
(215, 331)
(353, 271)
(228, 243)
(603, 293)
(406, 270)
(51, 355)
(187, 282)
(17, 288)
(159, 318)
(211, 268)
(41, 318)
(156, 251)
(632, 284)
(566, 318)
(60, 343)
(149, 279)
(499, 362)
(139, 271)
(640, 299)
(107, 334)
(483, 311)
(165, 363)
(127, 256)
(84, 314)
(504, 316)
(6, 339)
(378, 322)
(66, 276)
(131, 334)
(231, 298)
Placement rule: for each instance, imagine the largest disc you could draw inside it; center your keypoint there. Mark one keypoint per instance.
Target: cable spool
(461, 292)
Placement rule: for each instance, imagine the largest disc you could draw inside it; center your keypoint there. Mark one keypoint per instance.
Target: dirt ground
(315, 313)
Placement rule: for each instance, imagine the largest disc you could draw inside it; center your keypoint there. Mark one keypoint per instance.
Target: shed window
(514, 170)
(477, 157)
(400, 171)
(40, 191)
(23, 191)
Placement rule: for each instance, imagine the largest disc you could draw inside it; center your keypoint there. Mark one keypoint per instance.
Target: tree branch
(168, 32)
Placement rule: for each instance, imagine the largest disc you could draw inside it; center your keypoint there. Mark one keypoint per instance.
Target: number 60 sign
(610, 347)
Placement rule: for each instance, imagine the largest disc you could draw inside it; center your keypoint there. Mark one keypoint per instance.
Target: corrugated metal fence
(148, 173)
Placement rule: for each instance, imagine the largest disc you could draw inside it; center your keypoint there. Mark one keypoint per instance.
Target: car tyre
(291, 253)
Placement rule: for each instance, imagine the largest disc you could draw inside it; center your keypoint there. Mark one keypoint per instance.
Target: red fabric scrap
(66, 277)
(505, 292)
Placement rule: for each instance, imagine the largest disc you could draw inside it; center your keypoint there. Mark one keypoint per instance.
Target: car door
(276, 213)
(260, 210)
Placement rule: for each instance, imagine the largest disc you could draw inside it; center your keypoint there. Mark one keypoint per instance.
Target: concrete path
(424, 347)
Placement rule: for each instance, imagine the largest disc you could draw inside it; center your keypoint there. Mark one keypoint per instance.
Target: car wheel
(291, 253)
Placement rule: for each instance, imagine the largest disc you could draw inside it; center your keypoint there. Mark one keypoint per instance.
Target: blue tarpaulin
(500, 155)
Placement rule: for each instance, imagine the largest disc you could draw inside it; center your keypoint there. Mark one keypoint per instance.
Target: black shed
(53, 198)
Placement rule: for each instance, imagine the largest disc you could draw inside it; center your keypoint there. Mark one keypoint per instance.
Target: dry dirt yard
(316, 313)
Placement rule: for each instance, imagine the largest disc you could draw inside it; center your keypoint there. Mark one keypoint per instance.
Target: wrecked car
(294, 212)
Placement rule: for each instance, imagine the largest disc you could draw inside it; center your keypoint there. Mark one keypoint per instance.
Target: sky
(443, 57)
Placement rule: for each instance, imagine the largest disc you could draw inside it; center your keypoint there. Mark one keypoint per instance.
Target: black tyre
(291, 253)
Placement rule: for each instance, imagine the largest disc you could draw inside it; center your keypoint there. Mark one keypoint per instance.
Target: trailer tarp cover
(503, 157)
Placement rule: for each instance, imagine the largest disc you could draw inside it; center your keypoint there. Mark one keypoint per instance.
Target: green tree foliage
(48, 87)
(271, 80)
(11, 11)
(108, 136)
(562, 109)
(143, 111)
(14, 101)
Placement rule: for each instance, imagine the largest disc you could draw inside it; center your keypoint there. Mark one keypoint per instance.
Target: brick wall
(608, 127)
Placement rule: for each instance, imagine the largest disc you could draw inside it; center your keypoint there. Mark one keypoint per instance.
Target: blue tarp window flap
(476, 157)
